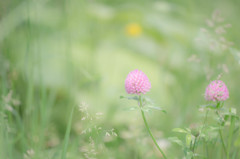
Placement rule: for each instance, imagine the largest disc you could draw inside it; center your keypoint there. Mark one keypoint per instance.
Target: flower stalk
(194, 146)
(148, 129)
(230, 136)
(219, 105)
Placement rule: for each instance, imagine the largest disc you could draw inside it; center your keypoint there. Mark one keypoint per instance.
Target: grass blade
(67, 134)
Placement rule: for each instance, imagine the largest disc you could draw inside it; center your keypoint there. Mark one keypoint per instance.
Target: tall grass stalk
(205, 142)
(230, 136)
(67, 134)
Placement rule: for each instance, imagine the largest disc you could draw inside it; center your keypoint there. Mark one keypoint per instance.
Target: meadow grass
(57, 55)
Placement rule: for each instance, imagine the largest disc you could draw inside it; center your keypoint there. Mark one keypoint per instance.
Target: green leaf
(176, 140)
(218, 105)
(156, 108)
(180, 130)
(148, 101)
(188, 139)
(211, 106)
(233, 111)
(213, 128)
(230, 112)
(130, 98)
(145, 109)
(188, 130)
(131, 108)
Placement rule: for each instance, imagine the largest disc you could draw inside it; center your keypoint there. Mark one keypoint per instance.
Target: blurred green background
(56, 54)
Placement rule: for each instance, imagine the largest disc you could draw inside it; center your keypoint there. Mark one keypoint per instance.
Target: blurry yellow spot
(133, 29)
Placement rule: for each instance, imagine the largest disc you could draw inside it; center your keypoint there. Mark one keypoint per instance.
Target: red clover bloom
(137, 83)
(216, 91)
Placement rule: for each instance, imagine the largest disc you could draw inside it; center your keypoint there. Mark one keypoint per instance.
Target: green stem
(148, 129)
(194, 144)
(205, 120)
(220, 134)
(230, 136)
(204, 123)
(221, 137)
(206, 148)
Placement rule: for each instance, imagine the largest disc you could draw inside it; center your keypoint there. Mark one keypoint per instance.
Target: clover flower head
(216, 91)
(137, 83)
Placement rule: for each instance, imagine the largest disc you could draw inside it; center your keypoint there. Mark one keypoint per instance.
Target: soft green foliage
(56, 54)
(205, 134)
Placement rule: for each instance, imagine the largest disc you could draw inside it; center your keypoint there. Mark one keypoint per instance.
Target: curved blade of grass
(67, 134)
